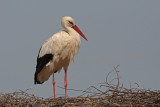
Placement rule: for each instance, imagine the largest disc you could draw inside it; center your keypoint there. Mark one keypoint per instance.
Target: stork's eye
(70, 22)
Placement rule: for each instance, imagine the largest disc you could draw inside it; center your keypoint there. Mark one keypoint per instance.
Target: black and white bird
(57, 52)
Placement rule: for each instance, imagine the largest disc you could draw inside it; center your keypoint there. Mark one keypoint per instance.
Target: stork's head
(69, 22)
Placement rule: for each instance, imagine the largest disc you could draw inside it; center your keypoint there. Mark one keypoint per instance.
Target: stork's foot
(65, 83)
(54, 85)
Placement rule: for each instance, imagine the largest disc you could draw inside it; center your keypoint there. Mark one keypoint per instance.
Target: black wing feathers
(41, 62)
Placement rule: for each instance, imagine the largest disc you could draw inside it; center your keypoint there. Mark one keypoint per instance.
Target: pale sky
(119, 32)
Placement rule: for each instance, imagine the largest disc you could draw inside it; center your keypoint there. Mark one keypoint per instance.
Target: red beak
(79, 31)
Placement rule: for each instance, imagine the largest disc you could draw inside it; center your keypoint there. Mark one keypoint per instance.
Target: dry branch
(105, 95)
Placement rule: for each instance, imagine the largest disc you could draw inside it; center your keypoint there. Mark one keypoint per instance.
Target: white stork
(57, 52)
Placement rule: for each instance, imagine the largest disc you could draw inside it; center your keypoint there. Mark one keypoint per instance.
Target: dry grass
(105, 95)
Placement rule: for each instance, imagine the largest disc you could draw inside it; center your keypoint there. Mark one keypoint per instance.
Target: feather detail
(41, 62)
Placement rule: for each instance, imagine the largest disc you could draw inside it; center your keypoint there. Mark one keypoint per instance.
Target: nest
(104, 95)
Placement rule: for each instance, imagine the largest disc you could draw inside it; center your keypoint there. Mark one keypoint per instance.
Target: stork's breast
(72, 49)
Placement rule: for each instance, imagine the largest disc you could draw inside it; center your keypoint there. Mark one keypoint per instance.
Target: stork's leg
(65, 83)
(53, 84)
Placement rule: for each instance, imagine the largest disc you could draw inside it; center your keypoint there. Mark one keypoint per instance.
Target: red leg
(65, 83)
(53, 84)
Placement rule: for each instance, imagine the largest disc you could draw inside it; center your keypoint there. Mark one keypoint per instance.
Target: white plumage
(64, 47)
(57, 52)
